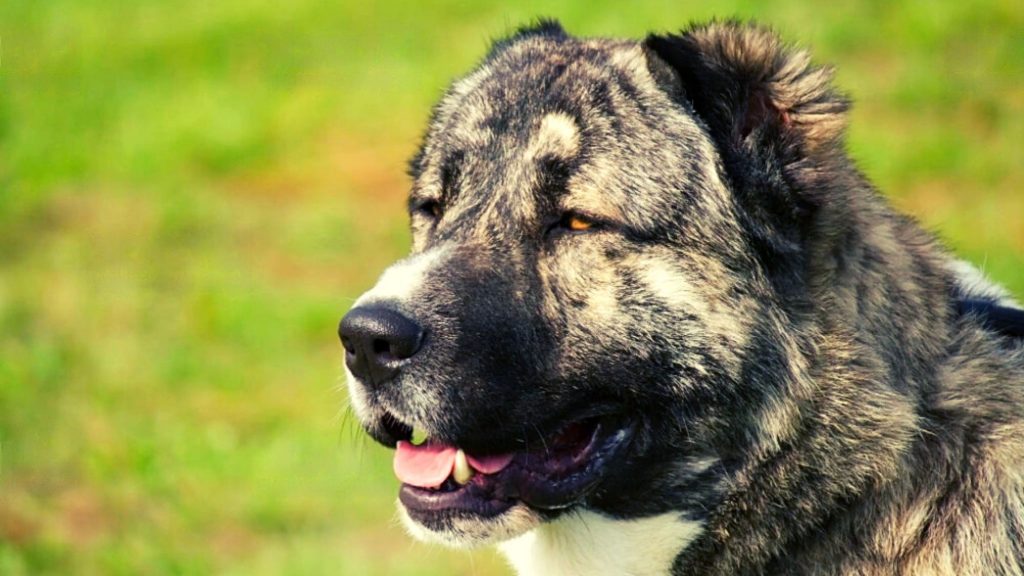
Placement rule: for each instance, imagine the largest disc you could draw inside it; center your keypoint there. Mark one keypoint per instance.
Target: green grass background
(193, 192)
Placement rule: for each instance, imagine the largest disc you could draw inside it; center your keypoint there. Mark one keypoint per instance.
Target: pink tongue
(489, 464)
(428, 465)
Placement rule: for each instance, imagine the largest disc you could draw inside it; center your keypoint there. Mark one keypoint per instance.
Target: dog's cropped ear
(762, 101)
(778, 125)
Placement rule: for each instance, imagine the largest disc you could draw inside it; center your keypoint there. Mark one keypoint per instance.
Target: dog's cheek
(609, 339)
(578, 300)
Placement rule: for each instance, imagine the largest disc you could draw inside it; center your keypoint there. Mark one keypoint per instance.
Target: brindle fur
(808, 393)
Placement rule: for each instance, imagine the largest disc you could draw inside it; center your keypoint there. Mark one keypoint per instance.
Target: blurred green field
(192, 193)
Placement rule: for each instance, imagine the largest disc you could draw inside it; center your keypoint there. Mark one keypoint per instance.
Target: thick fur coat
(668, 238)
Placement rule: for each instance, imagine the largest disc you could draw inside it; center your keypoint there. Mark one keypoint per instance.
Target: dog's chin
(466, 530)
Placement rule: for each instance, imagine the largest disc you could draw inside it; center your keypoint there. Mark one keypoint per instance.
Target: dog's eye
(430, 208)
(574, 222)
(577, 223)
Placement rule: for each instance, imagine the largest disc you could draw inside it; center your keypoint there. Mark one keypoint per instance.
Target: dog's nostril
(381, 347)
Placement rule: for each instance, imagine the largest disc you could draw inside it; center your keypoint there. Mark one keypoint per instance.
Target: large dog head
(607, 246)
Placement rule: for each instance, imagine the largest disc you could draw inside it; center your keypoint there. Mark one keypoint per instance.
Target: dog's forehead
(508, 97)
(582, 122)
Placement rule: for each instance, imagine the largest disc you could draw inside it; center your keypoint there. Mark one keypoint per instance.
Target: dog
(656, 322)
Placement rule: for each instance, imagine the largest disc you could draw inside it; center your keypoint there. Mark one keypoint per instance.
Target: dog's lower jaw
(577, 543)
(584, 543)
(470, 532)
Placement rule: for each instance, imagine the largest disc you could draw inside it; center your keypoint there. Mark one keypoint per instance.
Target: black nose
(376, 341)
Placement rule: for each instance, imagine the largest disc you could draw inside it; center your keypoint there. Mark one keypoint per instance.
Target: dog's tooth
(463, 472)
(418, 436)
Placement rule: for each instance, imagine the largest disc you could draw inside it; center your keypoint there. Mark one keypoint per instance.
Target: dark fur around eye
(428, 208)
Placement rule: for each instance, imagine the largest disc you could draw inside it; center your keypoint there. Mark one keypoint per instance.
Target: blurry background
(192, 193)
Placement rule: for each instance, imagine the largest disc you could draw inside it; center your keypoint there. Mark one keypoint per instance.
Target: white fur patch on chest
(589, 544)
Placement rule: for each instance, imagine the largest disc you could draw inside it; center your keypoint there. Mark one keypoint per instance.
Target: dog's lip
(544, 479)
(389, 428)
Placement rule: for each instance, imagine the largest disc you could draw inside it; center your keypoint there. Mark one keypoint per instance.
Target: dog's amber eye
(577, 223)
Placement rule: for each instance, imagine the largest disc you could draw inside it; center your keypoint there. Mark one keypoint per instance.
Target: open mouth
(440, 481)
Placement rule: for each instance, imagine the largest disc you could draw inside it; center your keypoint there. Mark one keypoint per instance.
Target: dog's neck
(589, 544)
